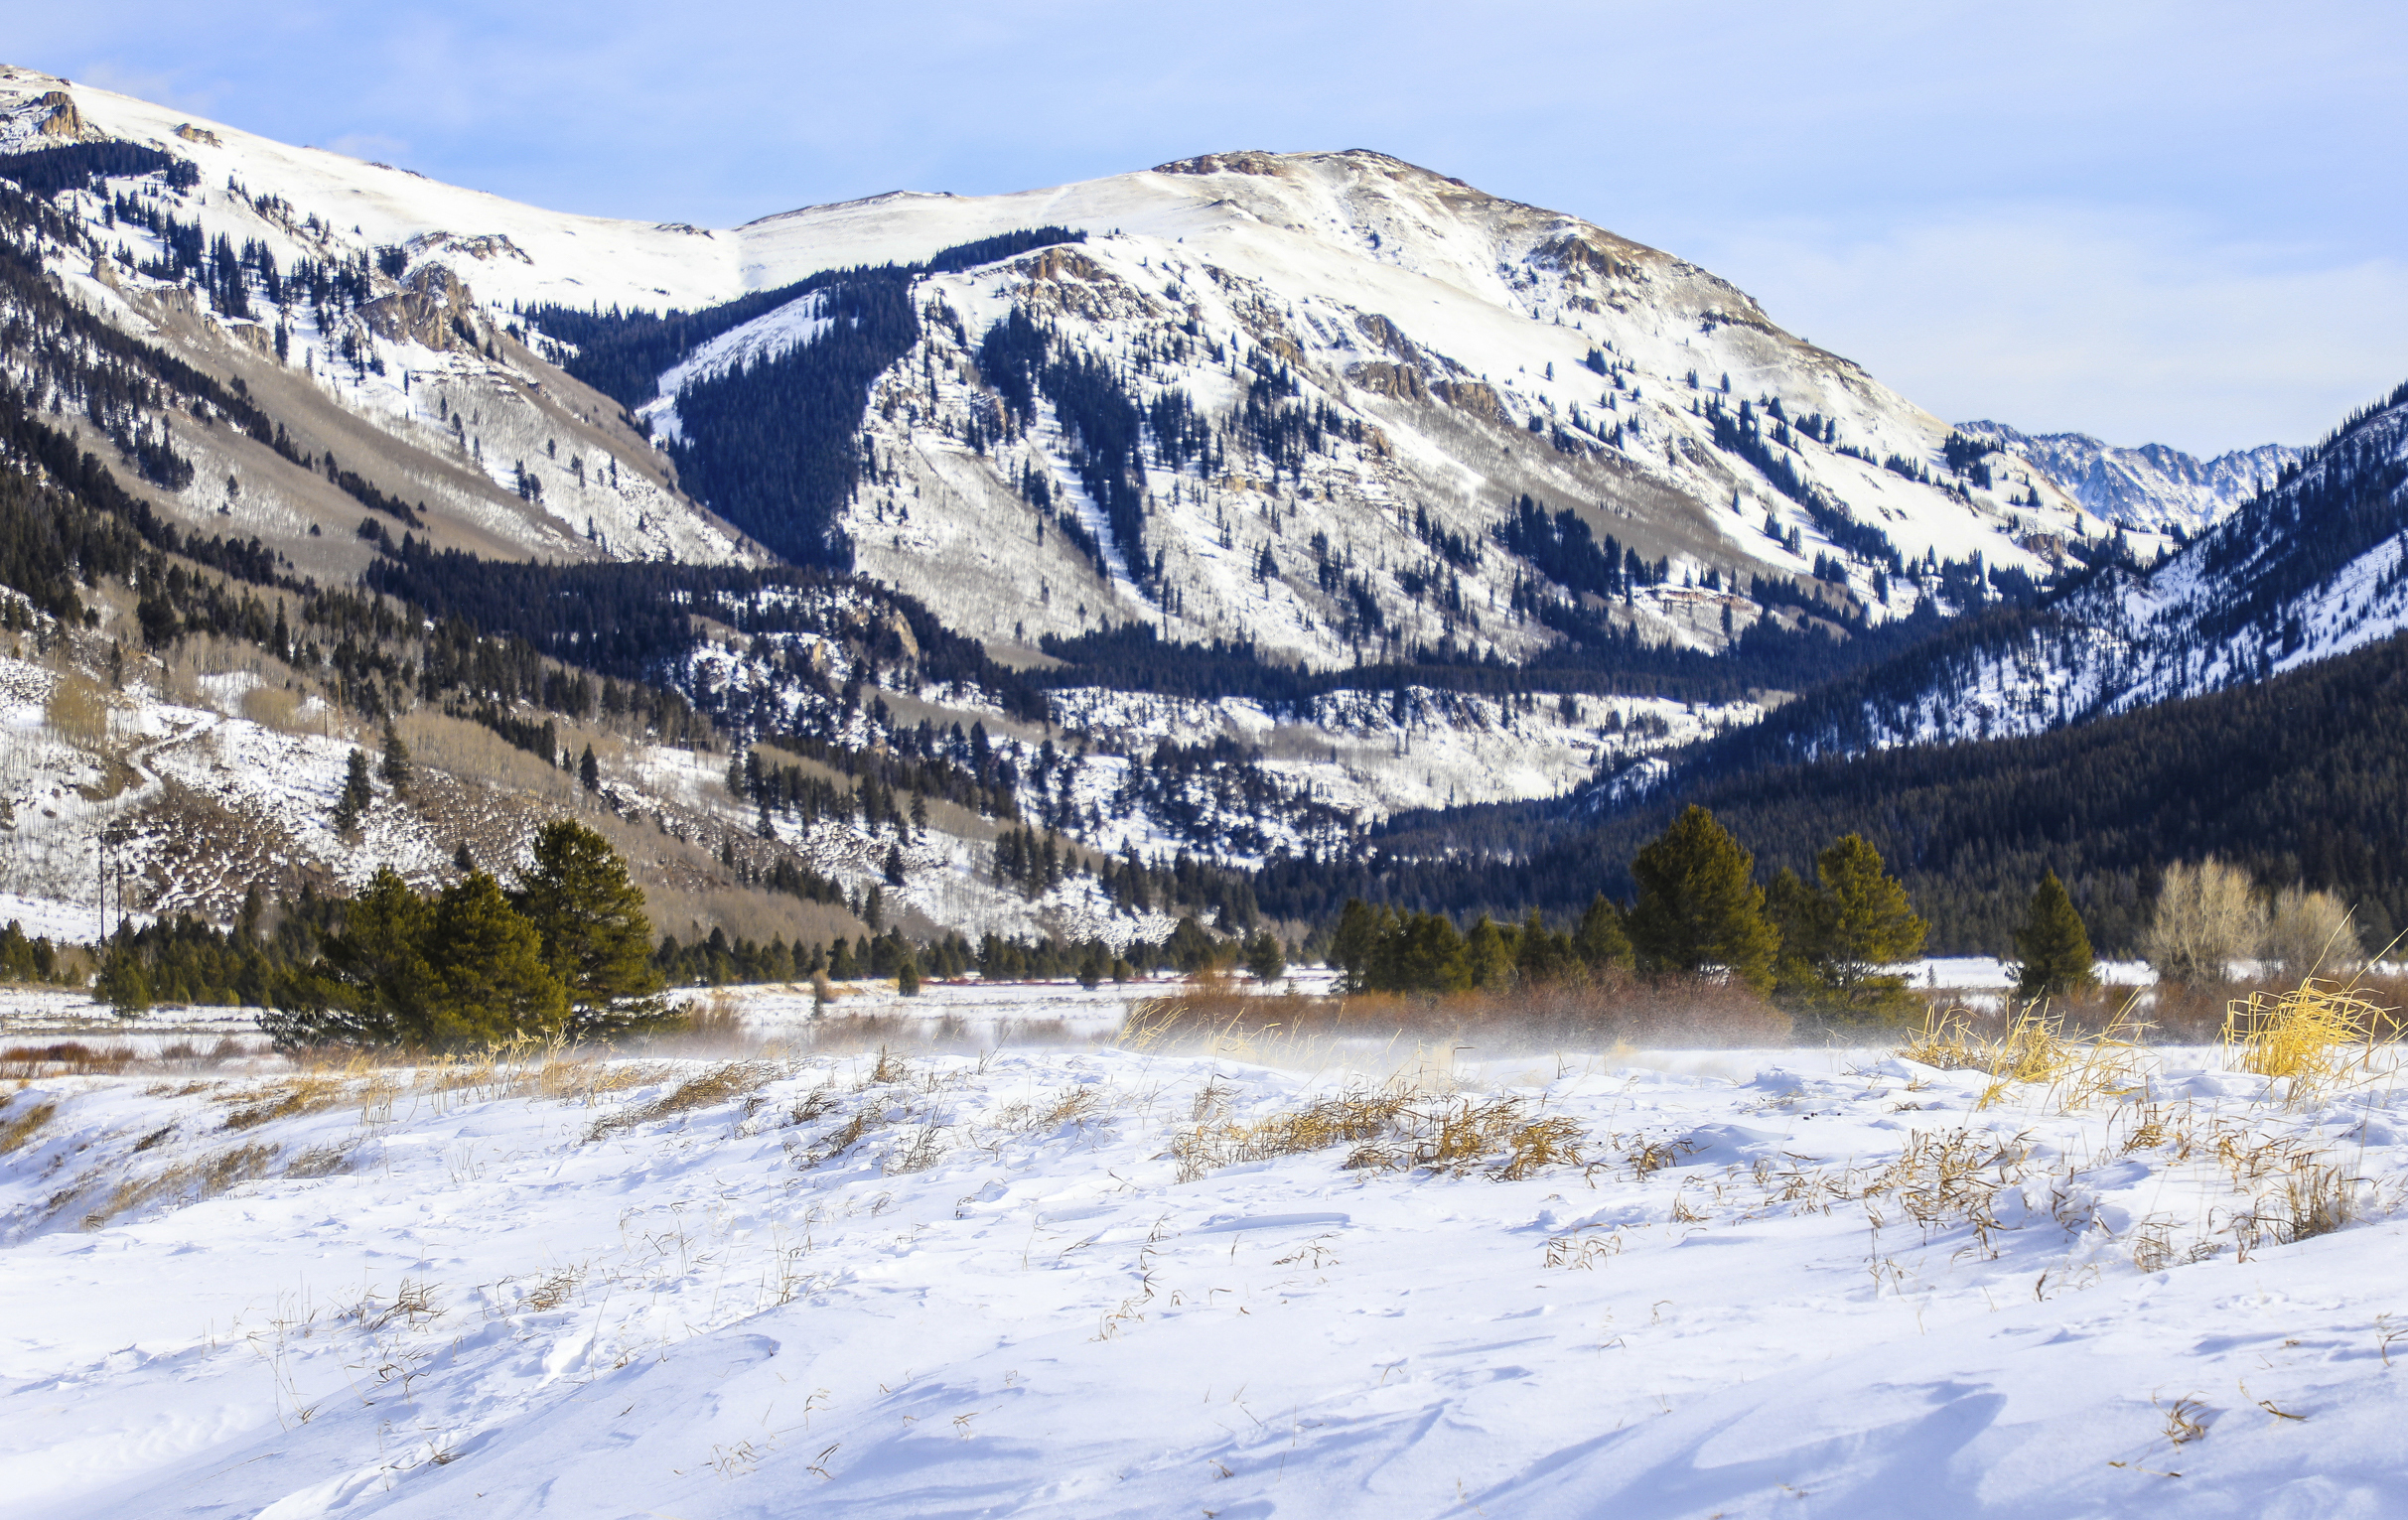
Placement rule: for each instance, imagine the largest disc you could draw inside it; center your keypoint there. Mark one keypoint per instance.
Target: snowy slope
(418, 387)
(2152, 488)
(1059, 1284)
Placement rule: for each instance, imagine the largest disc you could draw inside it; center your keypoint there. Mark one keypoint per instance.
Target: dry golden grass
(188, 1182)
(321, 1161)
(17, 1131)
(287, 1100)
(2308, 1037)
(1392, 1128)
(723, 1083)
(2034, 1048)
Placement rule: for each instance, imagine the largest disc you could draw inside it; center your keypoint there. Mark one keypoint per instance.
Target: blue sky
(2149, 221)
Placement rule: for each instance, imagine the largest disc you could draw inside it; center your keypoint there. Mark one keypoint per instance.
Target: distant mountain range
(2152, 488)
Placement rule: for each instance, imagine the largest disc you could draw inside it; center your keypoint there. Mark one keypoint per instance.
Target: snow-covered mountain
(1339, 375)
(2152, 488)
(1370, 364)
(2315, 568)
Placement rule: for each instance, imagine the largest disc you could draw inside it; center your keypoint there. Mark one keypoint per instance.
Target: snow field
(1106, 1282)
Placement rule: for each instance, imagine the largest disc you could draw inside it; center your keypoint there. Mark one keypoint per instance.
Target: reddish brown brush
(1663, 1012)
(64, 1058)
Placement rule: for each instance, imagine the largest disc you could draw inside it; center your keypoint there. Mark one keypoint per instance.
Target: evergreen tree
(1601, 940)
(1802, 918)
(1266, 958)
(589, 771)
(1540, 957)
(1698, 906)
(378, 970)
(590, 922)
(1422, 953)
(906, 977)
(395, 767)
(490, 981)
(1350, 946)
(123, 983)
(357, 793)
(1868, 924)
(2054, 945)
(893, 866)
(1488, 960)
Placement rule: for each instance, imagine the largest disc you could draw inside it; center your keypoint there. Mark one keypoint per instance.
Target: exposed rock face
(64, 123)
(194, 134)
(1475, 398)
(426, 310)
(1245, 160)
(484, 249)
(1401, 381)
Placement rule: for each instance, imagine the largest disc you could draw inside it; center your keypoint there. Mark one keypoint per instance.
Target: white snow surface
(987, 1285)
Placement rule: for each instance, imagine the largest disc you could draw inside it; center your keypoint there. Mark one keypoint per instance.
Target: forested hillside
(2300, 778)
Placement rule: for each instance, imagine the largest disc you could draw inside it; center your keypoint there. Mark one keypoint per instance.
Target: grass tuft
(723, 1083)
(2305, 1035)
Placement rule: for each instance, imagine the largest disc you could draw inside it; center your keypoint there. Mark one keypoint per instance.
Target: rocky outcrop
(194, 134)
(1402, 381)
(1475, 398)
(428, 310)
(65, 123)
(1245, 160)
(484, 247)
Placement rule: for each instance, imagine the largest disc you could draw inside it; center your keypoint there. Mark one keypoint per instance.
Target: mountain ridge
(2154, 486)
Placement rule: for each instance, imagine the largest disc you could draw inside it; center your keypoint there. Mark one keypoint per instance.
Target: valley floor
(1088, 1280)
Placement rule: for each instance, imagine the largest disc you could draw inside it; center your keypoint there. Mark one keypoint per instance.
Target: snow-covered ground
(1093, 1281)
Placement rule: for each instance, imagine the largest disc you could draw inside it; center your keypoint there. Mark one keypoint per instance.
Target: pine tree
(589, 771)
(893, 866)
(906, 977)
(1540, 957)
(1486, 959)
(1266, 958)
(1601, 940)
(377, 965)
(1358, 925)
(395, 767)
(490, 981)
(1802, 918)
(590, 922)
(2054, 945)
(357, 793)
(1698, 906)
(1868, 924)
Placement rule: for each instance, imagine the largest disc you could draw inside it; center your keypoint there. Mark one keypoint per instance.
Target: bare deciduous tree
(2205, 919)
(2310, 934)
